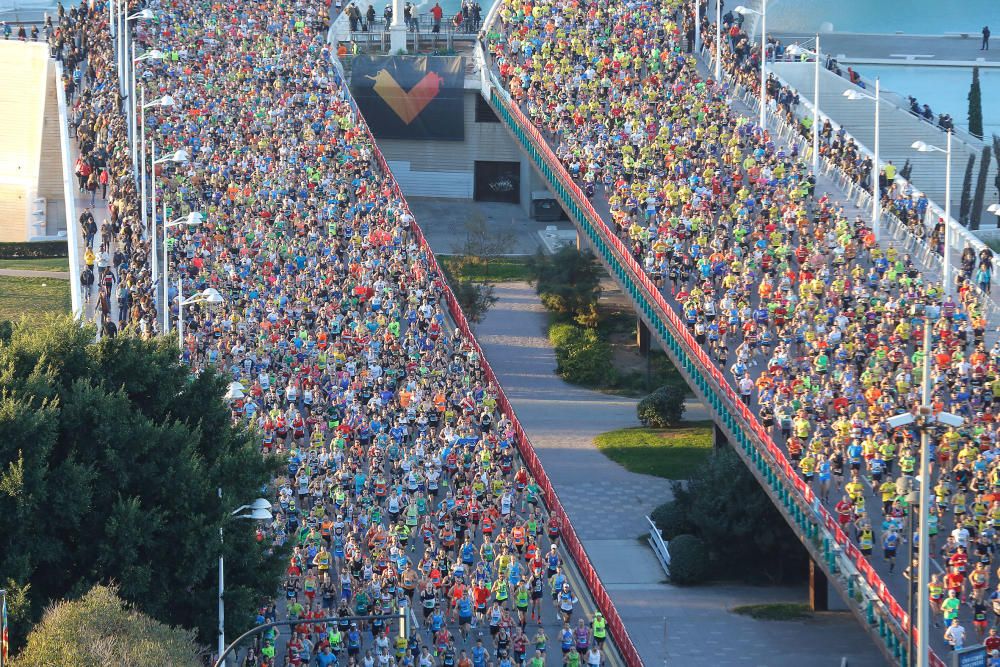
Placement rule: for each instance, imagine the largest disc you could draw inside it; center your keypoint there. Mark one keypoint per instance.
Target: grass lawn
(499, 270)
(43, 264)
(32, 296)
(671, 453)
(777, 611)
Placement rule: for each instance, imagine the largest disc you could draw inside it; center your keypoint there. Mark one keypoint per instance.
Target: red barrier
(571, 541)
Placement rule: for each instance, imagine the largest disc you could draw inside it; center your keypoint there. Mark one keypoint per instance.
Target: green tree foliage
(979, 196)
(662, 408)
(975, 106)
(688, 560)
(582, 355)
(746, 536)
(965, 203)
(101, 629)
(569, 283)
(110, 457)
(476, 299)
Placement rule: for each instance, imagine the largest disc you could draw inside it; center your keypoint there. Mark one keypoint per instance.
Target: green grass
(32, 296)
(499, 270)
(776, 611)
(43, 264)
(672, 453)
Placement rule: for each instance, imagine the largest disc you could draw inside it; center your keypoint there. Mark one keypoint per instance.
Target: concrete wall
(445, 168)
(24, 71)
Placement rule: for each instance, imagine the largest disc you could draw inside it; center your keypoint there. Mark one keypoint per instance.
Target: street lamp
(925, 420)
(994, 209)
(718, 40)
(796, 50)
(148, 55)
(209, 295)
(876, 168)
(235, 392)
(258, 510)
(697, 25)
(165, 101)
(924, 147)
(745, 11)
(177, 156)
(192, 219)
(123, 49)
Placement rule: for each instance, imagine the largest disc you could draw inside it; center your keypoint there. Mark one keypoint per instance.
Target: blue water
(943, 88)
(919, 17)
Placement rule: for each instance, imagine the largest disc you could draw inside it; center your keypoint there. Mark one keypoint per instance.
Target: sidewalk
(607, 505)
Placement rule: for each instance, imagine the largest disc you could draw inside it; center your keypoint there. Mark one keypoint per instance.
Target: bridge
(872, 593)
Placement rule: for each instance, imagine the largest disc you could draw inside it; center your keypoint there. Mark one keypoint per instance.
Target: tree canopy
(110, 456)
(101, 629)
(746, 536)
(569, 283)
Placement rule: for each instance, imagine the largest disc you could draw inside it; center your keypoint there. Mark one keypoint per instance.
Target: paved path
(900, 49)
(26, 273)
(607, 505)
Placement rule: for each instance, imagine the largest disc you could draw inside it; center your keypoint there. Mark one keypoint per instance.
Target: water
(915, 17)
(945, 89)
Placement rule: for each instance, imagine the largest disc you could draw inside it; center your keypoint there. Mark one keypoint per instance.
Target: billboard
(411, 97)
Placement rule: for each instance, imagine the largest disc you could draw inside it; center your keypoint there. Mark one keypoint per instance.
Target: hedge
(34, 250)
(688, 560)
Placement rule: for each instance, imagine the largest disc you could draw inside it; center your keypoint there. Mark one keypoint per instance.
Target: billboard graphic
(410, 97)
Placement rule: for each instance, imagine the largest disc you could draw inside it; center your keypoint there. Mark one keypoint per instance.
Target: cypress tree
(975, 106)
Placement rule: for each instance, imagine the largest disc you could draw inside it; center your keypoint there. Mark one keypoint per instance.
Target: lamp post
(143, 15)
(165, 101)
(876, 167)
(209, 295)
(178, 156)
(796, 49)
(718, 40)
(133, 120)
(745, 11)
(697, 26)
(924, 421)
(928, 148)
(259, 510)
(192, 219)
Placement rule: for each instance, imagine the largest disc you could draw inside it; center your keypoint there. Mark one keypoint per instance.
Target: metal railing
(659, 546)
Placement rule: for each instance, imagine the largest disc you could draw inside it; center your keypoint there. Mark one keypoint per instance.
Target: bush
(663, 408)
(568, 283)
(34, 250)
(581, 355)
(688, 560)
(672, 520)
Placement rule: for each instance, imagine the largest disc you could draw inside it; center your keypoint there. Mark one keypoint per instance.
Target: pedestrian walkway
(939, 50)
(607, 505)
(26, 273)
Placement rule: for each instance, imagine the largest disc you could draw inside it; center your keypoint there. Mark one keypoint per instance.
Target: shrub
(568, 283)
(688, 560)
(33, 250)
(582, 356)
(672, 520)
(662, 408)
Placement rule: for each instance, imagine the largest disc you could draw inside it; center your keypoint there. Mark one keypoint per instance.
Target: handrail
(659, 545)
(622, 641)
(798, 499)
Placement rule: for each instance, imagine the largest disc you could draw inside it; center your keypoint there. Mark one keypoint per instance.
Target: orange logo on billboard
(407, 105)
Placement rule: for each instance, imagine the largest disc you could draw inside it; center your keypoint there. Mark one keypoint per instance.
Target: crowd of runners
(818, 327)
(403, 488)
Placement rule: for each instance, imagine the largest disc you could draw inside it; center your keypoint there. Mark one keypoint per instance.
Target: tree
(979, 196)
(110, 457)
(688, 560)
(746, 536)
(101, 629)
(476, 299)
(484, 244)
(975, 106)
(965, 203)
(569, 283)
(662, 408)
